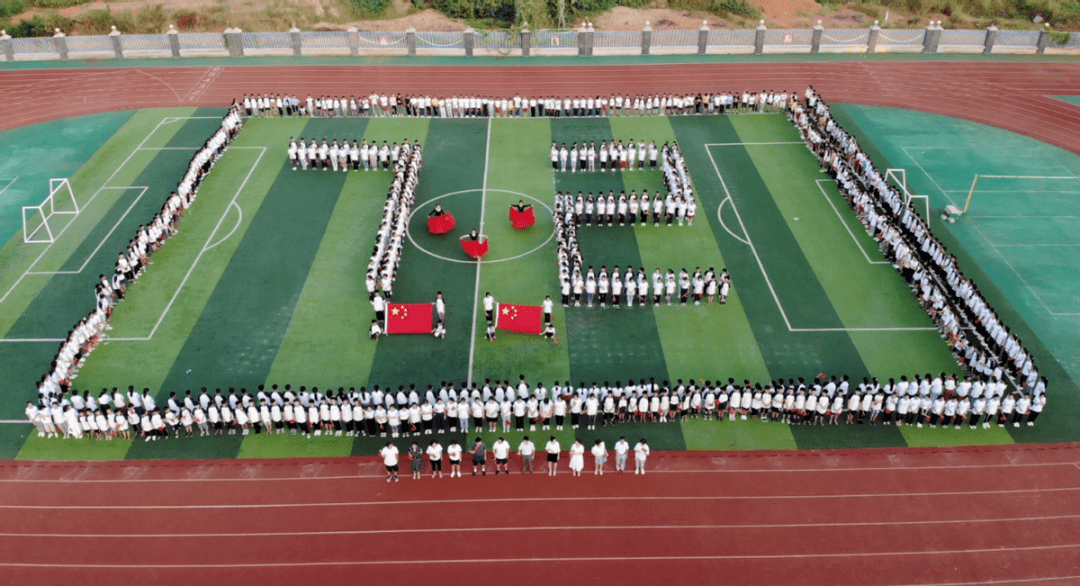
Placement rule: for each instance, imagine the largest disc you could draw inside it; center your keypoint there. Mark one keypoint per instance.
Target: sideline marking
(720, 216)
(846, 226)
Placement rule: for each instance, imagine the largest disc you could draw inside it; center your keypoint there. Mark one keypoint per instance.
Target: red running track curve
(1009, 95)
(1001, 515)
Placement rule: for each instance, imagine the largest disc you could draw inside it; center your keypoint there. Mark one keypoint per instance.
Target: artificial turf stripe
(700, 342)
(518, 163)
(606, 344)
(241, 327)
(453, 161)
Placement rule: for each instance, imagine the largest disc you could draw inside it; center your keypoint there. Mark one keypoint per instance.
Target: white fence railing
(586, 41)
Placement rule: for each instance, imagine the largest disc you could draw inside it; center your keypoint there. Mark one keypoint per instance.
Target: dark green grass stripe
(1058, 422)
(21, 368)
(817, 437)
(68, 298)
(787, 353)
(453, 161)
(606, 344)
(238, 334)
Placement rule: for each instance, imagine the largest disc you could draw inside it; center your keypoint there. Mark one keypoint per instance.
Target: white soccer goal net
(43, 222)
(899, 179)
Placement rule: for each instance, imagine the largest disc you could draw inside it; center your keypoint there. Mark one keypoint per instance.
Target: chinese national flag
(527, 319)
(522, 219)
(408, 318)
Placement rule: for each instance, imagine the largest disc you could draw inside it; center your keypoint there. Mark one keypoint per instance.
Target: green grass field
(264, 282)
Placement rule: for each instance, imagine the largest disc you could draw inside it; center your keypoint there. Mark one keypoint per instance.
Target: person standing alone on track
(416, 460)
(641, 453)
(552, 448)
(390, 459)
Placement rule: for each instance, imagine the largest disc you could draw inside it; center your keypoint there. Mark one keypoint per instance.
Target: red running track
(1009, 95)
(1002, 515)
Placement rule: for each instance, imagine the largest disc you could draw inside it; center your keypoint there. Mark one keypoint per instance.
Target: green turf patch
(39, 152)
(284, 445)
(1074, 100)
(36, 448)
(660, 436)
(949, 436)
(12, 438)
(818, 437)
(185, 448)
(737, 435)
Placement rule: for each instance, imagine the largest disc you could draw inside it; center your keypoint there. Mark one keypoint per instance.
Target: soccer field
(264, 282)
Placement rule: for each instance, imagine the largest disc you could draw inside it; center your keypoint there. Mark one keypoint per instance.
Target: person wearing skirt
(416, 461)
(577, 458)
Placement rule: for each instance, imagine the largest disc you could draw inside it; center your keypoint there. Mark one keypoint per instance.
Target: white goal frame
(47, 209)
(899, 177)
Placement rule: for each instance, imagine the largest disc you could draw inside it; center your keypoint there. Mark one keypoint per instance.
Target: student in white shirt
(453, 453)
(599, 452)
(577, 458)
(552, 448)
(526, 449)
(390, 460)
(435, 452)
(501, 449)
(641, 453)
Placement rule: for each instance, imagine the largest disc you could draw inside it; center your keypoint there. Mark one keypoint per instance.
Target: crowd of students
(344, 156)
(391, 234)
(977, 335)
(396, 104)
(130, 264)
(616, 156)
(501, 449)
(502, 406)
(603, 288)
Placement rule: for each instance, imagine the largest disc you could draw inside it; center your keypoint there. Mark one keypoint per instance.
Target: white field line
(476, 289)
(8, 185)
(207, 246)
(720, 216)
(768, 282)
(846, 227)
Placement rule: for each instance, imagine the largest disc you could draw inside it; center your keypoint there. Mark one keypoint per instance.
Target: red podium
(441, 224)
(522, 219)
(474, 248)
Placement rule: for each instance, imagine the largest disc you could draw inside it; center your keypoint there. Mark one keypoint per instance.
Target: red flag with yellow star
(527, 319)
(408, 318)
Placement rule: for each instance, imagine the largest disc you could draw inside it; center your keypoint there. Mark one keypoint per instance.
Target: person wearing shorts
(434, 452)
(501, 449)
(479, 458)
(453, 453)
(599, 452)
(390, 460)
(552, 448)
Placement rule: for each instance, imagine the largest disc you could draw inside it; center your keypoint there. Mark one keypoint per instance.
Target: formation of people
(974, 331)
(517, 106)
(615, 157)
(391, 234)
(501, 450)
(130, 264)
(345, 156)
(505, 406)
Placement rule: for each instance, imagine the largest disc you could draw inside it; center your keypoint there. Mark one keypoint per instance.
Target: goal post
(899, 178)
(40, 222)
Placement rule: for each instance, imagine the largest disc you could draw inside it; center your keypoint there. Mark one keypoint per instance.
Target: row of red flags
(415, 318)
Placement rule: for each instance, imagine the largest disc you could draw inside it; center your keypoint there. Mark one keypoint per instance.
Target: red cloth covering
(524, 219)
(474, 248)
(527, 319)
(440, 224)
(408, 318)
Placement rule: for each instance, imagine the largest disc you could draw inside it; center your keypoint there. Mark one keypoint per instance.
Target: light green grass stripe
(37, 448)
(699, 342)
(16, 258)
(518, 162)
(295, 446)
(864, 295)
(135, 317)
(332, 313)
(948, 436)
(737, 435)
